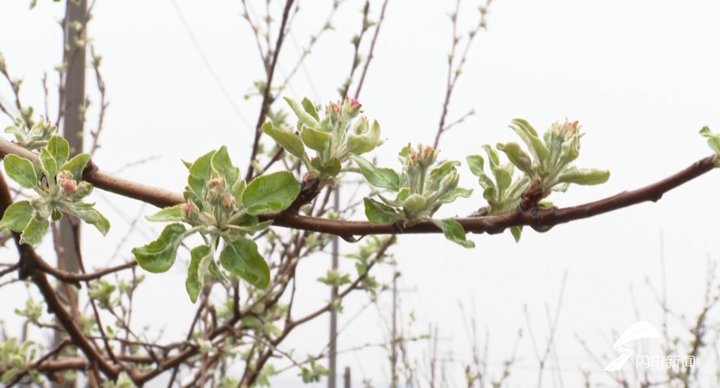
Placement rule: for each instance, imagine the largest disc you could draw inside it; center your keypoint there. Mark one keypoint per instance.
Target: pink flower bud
(188, 207)
(351, 107)
(68, 186)
(333, 107)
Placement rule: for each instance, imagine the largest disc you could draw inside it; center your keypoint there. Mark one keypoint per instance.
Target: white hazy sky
(640, 75)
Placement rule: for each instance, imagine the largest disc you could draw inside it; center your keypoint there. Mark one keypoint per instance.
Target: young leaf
(366, 141)
(48, 164)
(287, 140)
(200, 174)
(713, 139)
(454, 232)
(530, 137)
(159, 255)
(59, 149)
(517, 156)
(20, 170)
(476, 164)
(194, 283)
(303, 117)
(76, 165)
(582, 176)
(270, 193)
(34, 231)
(516, 232)
(379, 213)
(89, 214)
(241, 258)
(453, 194)
(379, 177)
(314, 139)
(168, 214)
(17, 216)
(223, 165)
(310, 108)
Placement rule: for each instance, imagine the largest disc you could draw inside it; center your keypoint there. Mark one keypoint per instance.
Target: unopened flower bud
(66, 182)
(216, 183)
(228, 201)
(216, 190)
(351, 107)
(69, 187)
(423, 156)
(190, 211)
(566, 129)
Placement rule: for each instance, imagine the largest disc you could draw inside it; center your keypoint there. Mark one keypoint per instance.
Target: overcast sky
(640, 76)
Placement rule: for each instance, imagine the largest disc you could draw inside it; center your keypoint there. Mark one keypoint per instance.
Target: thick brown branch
(540, 219)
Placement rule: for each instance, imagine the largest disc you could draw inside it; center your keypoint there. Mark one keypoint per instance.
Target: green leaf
(583, 176)
(476, 164)
(223, 166)
(89, 214)
(454, 194)
(454, 232)
(517, 156)
(194, 283)
(20, 170)
(713, 139)
(9, 374)
(287, 140)
(200, 174)
(76, 165)
(379, 213)
(516, 232)
(47, 163)
(159, 255)
(531, 139)
(310, 108)
(379, 177)
(330, 167)
(238, 189)
(270, 193)
(241, 258)
(17, 216)
(168, 214)
(364, 142)
(59, 149)
(303, 117)
(34, 231)
(314, 139)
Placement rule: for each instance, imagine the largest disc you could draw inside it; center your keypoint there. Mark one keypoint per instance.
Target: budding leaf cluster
(57, 182)
(334, 137)
(545, 166)
(420, 188)
(224, 210)
(31, 138)
(713, 141)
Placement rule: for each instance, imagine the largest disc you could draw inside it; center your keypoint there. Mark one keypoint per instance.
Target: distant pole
(393, 339)
(346, 377)
(73, 121)
(72, 125)
(332, 360)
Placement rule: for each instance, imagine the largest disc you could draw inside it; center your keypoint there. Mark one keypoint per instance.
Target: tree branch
(535, 218)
